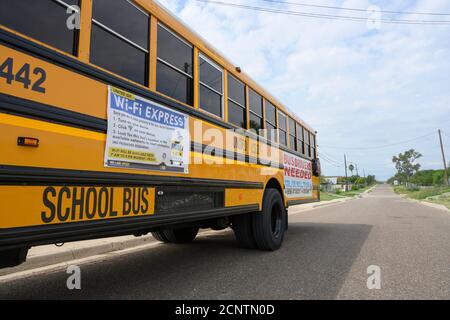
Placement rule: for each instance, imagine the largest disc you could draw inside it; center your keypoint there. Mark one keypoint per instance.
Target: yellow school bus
(117, 119)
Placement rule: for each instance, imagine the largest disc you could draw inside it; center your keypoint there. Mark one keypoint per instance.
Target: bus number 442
(23, 75)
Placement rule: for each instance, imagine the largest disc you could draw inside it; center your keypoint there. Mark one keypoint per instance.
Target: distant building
(334, 183)
(331, 180)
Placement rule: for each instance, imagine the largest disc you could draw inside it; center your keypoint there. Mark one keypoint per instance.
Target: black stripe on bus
(40, 111)
(19, 175)
(66, 232)
(16, 42)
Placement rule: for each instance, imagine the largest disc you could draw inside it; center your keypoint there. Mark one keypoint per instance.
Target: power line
(327, 16)
(323, 154)
(328, 161)
(356, 9)
(381, 146)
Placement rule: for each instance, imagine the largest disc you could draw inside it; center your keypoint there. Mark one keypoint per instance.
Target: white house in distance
(333, 183)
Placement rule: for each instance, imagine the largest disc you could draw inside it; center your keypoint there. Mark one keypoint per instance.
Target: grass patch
(423, 193)
(444, 200)
(325, 196)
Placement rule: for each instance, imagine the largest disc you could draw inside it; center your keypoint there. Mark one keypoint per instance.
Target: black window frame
(306, 137)
(255, 113)
(312, 143)
(235, 102)
(203, 85)
(268, 124)
(299, 135)
(189, 94)
(292, 134)
(121, 37)
(281, 131)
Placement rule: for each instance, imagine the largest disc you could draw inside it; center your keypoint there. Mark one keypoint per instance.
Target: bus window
(300, 143)
(118, 45)
(282, 128)
(174, 74)
(211, 87)
(312, 140)
(237, 113)
(256, 111)
(292, 139)
(43, 20)
(306, 141)
(271, 122)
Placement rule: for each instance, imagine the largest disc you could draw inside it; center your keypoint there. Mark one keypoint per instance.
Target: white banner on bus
(145, 135)
(297, 177)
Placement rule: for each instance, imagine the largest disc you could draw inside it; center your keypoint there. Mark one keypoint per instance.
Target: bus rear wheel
(243, 230)
(180, 235)
(269, 225)
(159, 235)
(13, 257)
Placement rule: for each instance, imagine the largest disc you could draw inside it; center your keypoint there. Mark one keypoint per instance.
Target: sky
(362, 86)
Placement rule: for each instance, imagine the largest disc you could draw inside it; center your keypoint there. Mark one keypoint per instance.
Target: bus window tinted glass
(43, 20)
(119, 40)
(270, 113)
(282, 121)
(255, 101)
(236, 90)
(283, 139)
(271, 133)
(237, 115)
(291, 125)
(113, 54)
(211, 80)
(174, 51)
(210, 101)
(124, 18)
(256, 123)
(173, 84)
(210, 75)
(292, 143)
(174, 67)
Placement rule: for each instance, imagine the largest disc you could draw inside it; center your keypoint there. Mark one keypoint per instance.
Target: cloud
(357, 87)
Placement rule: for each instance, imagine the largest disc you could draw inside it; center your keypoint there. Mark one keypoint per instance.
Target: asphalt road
(325, 255)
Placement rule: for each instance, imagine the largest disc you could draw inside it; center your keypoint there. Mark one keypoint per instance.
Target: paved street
(325, 256)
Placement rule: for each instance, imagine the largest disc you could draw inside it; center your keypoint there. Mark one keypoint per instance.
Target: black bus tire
(181, 235)
(270, 224)
(160, 236)
(13, 257)
(243, 231)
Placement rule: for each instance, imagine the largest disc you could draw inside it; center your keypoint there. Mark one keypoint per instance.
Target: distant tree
(438, 177)
(370, 179)
(423, 178)
(406, 165)
(360, 181)
(351, 168)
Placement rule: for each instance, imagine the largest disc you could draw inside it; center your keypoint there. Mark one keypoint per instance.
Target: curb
(304, 208)
(45, 260)
(426, 203)
(431, 204)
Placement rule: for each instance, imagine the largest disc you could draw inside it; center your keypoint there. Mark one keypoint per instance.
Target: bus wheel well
(274, 184)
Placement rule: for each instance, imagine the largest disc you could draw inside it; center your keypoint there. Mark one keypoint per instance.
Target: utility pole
(346, 176)
(356, 166)
(443, 159)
